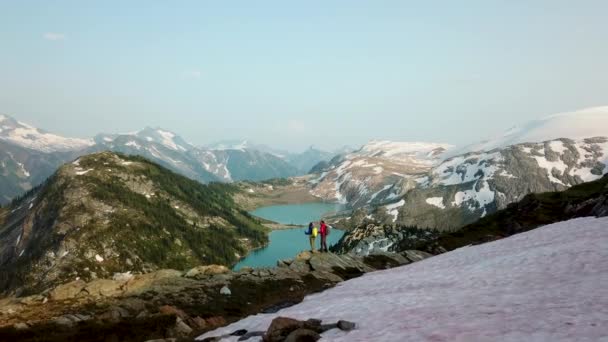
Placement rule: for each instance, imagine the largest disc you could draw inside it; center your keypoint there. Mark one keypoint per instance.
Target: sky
(291, 74)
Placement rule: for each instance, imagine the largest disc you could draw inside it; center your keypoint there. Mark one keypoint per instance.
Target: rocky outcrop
(376, 238)
(170, 303)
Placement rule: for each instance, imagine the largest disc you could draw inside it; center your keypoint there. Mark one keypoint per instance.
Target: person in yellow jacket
(312, 232)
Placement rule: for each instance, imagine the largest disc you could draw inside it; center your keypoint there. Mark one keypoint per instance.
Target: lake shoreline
(285, 240)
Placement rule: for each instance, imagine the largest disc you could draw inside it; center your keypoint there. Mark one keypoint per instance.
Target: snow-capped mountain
(547, 284)
(465, 187)
(29, 155)
(226, 163)
(378, 171)
(24, 135)
(576, 125)
(303, 161)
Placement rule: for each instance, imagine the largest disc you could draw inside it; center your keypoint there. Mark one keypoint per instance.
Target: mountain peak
(585, 123)
(25, 135)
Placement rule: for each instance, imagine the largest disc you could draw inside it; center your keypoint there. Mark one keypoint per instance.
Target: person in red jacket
(323, 232)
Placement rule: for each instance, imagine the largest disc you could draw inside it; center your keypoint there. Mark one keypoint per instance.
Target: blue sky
(291, 74)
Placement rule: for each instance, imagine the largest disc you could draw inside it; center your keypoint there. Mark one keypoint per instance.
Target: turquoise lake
(288, 243)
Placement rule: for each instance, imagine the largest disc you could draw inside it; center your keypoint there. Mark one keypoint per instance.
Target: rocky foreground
(175, 304)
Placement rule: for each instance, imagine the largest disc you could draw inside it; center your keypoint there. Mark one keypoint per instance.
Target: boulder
(207, 270)
(346, 325)
(280, 328)
(225, 291)
(181, 328)
(303, 335)
(67, 291)
(304, 256)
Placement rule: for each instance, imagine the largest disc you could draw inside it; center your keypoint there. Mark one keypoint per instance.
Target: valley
(133, 236)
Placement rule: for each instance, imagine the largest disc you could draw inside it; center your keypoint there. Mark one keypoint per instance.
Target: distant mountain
(303, 162)
(463, 188)
(26, 136)
(109, 213)
(577, 125)
(378, 171)
(534, 210)
(306, 160)
(162, 147)
(29, 155)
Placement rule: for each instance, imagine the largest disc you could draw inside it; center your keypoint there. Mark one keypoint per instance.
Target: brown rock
(67, 291)
(216, 321)
(103, 288)
(172, 310)
(303, 335)
(198, 323)
(280, 328)
(207, 270)
(144, 282)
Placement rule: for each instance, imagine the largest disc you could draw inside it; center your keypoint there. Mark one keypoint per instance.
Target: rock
(246, 269)
(198, 323)
(208, 270)
(21, 326)
(280, 328)
(250, 335)
(345, 266)
(382, 260)
(63, 321)
(327, 276)
(114, 314)
(163, 340)
(239, 332)
(103, 288)
(346, 325)
(67, 291)
(225, 291)
(181, 328)
(168, 280)
(414, 255)
(303, 335)
(122, 277)
(300, 266)
(172, 310)
(303, 256)
(32, 300)
(216, 321)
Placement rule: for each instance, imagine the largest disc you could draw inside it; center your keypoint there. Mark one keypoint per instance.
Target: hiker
(312, 231)
(324, 232)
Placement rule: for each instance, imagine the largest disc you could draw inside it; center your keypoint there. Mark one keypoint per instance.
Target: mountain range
(29, 155)
(440, 187)
(108, 213)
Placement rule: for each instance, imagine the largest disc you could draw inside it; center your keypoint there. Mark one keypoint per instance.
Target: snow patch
(550, 287)
(436, 201)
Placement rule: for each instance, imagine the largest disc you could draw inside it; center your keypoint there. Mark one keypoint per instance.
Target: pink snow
(549, 284)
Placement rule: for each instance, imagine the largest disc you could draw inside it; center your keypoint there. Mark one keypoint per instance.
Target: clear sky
(295, 73)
